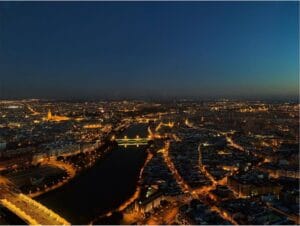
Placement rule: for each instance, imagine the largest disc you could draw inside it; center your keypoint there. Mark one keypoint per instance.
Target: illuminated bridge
(29, 210)
(133, 141)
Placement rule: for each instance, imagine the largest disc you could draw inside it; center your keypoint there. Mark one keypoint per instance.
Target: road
(185, 188)
(198, 193)
(231, 143)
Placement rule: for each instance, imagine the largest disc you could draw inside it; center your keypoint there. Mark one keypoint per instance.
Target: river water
(105, 186)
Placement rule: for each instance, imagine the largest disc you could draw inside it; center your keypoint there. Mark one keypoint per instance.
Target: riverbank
(71, 171)
(98, 189)
(129, 201)
(104, 187)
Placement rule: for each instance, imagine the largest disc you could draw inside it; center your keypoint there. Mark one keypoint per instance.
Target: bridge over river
(137, 141)
(29, 210)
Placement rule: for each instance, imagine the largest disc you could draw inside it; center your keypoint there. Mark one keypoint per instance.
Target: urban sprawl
(207, 162)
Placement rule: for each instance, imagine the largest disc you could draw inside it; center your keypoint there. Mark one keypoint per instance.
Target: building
(55, 118)
(253, 183)
(151, 199)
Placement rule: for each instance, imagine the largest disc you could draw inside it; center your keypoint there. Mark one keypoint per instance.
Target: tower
(49, 115)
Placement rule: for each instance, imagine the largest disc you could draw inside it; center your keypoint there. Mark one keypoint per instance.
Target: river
(99, 189)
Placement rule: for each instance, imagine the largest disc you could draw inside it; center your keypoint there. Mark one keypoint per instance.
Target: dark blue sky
(142, 49)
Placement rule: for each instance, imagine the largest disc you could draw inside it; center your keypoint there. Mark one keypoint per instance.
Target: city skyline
(72, 50)
(149, 113)
(183, 162)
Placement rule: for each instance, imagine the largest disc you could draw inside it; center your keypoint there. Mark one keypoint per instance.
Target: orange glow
(30, 210)
(233, 144)
(224, 215)
(92, 126)
(55, 118)
(183, 185)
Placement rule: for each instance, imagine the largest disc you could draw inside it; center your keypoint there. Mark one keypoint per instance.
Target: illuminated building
(252, 183)
(56, 118)
(152, 199)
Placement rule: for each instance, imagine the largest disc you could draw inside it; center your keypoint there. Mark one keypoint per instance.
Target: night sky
(148, 49)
